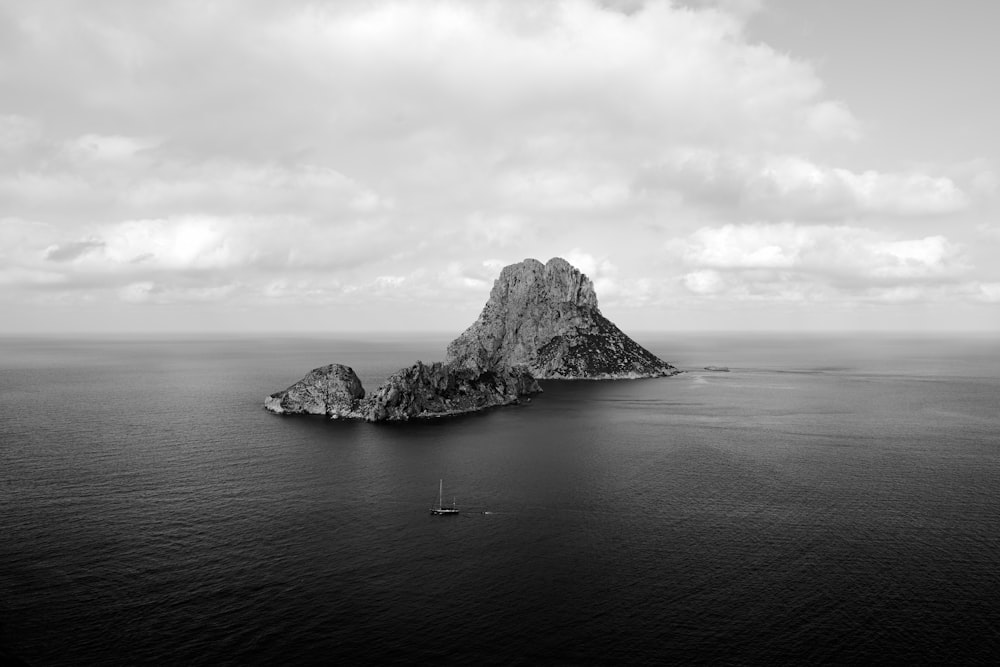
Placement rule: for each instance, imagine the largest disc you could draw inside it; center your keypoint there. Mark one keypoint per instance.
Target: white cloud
(495, 231)
(792, 187)
(916, 258)
(389, 282)
(903, 194)
(538, 107)
(390, 80)
(595, 268)
(255, 187)
(569, 188)
(193, 258)
(704, 281)
(830, 118)
(789, 261)
(601, 271)
(989, 292)
(384, 150)
(465, 277)
(113, 147)
(120, 177)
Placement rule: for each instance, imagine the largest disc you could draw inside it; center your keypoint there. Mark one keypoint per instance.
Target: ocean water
(832, 499)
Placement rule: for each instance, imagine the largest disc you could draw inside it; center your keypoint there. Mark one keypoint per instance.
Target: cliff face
(545, 317)
(422, 390)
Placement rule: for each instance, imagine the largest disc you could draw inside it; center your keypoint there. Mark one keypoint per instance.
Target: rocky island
(545, 317)
(540, 322)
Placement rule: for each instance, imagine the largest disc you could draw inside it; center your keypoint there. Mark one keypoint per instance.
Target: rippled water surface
(830, 499)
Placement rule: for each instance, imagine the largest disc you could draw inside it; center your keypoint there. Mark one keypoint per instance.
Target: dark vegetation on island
(540, 322)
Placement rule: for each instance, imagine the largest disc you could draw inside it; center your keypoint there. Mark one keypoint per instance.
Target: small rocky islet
(540, 322)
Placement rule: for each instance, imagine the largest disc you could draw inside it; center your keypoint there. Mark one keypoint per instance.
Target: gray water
(831, 499)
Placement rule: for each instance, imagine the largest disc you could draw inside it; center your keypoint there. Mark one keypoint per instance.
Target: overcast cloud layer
(372, 165)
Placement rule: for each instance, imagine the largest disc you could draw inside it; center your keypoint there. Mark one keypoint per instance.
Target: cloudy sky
(371, 165)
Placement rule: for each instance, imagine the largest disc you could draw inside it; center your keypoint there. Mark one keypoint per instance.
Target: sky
(251, 166)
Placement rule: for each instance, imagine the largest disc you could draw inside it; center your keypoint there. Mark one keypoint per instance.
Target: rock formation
(441, 389)
(333, 390)
(541, 321)
(422, 390)
(545, 316)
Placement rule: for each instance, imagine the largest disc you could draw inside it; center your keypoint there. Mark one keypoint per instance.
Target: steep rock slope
(545, 317)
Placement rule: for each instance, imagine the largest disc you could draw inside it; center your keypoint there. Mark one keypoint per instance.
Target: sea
(830, 499)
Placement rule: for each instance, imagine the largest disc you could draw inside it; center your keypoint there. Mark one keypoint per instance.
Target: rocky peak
(556, 282)
(545, 316)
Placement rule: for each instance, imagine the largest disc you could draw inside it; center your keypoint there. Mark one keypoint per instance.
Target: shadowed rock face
(545, 317)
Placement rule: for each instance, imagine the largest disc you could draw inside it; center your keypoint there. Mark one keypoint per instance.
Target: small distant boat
(440, 508)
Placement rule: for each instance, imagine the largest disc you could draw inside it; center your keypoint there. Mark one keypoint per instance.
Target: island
(541, 322)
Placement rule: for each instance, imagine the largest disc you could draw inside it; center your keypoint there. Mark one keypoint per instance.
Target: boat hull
(443, 510)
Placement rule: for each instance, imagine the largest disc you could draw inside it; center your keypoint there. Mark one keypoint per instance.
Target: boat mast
(440, 490)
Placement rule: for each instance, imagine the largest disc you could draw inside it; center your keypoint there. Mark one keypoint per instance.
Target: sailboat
(440, 508)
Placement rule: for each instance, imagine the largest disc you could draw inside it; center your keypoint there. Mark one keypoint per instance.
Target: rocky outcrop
(422, 390)
(333, 390)
(541, 321)
(545, 317)
(435, 390)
